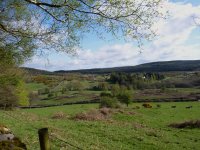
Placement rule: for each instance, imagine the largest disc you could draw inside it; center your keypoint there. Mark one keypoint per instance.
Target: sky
(178, 39)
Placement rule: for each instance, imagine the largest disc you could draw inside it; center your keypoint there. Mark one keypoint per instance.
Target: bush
(109, 102)
(106, 94)
(8, 97)
(115, 90)
(50, 95)
(146, 105)
(74, 85)
(158, 105)
(125, 97)
(103, 86)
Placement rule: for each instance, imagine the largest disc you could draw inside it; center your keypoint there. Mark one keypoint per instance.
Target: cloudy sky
(178, 39)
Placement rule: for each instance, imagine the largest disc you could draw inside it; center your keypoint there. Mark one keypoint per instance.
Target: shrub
(158, 105)
(74, 85)
(103, 86)
(50, 95)
(147, 105)
(136, 107)
(109, 102)
(115, 89)
(63, 90)
(125, 97)
(8, 97)
(105, 94)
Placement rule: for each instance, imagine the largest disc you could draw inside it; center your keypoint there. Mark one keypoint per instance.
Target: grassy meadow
(124, 128)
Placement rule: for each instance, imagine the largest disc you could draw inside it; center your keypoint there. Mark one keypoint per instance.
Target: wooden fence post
(44, 139)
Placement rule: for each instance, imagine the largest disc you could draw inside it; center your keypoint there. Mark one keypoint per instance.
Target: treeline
(136, 81)
(155, 80)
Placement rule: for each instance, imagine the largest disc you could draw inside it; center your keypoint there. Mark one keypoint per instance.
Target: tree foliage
(125, 96)
(137, 80)
(12, 91)
(22, 94)
(109, 102)
(28, 26)
(118, 95)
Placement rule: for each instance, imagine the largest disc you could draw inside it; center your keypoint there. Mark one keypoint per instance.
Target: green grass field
(34, 86)
(133, 129)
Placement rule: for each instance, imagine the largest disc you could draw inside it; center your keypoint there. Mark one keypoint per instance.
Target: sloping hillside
(165, 66)
(34, 71)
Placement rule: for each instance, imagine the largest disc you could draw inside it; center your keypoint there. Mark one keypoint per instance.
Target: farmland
(125, 128)
(59, 89)
(91, 111)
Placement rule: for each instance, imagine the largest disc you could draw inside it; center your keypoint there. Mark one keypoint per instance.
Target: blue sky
(178, 39)
(193, 2)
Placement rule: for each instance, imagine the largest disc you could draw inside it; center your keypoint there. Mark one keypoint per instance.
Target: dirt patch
(94, 115)
(186, 124)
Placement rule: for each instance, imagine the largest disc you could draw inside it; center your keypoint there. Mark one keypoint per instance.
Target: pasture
(124, 128)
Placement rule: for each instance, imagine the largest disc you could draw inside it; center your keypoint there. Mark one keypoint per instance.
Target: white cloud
(173, 43)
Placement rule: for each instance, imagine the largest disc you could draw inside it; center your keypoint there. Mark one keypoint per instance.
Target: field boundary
(96, 101)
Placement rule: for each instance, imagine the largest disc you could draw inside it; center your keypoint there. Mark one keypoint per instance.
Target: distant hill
(163, 66)
(34, 71)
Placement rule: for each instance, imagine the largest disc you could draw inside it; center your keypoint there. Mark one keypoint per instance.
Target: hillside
(34, 71)
(165, 66)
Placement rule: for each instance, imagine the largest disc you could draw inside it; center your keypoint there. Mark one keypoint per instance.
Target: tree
(33, 96)
(12, 91)
(115, 90)
(22, 94)
(7, 97)
(74, 85)
(27, 26)
(103, 86)
(125, 97)
(110, 102)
